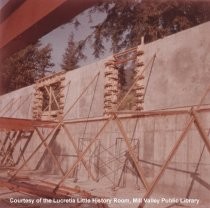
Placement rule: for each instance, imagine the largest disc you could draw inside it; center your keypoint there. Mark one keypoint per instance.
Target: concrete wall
(17, 104)
(91, 102)
(181, 70)
(180, 75)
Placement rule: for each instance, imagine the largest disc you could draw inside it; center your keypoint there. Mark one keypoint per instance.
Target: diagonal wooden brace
(201, 131)
(34, 152)
(51, 94)
(169, 158)
(176, 146)
(87, 167)
(49, 150)
(81, 155)
(133, 156)
(11, 148)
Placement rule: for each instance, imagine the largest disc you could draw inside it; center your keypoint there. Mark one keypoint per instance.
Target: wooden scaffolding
(18, 129)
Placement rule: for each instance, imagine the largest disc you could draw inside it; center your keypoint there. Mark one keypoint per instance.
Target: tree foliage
(72, 55)
(128, 20)
(25, 67)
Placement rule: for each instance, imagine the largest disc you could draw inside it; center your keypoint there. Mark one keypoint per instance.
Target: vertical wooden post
(201, 130)
(50, 101)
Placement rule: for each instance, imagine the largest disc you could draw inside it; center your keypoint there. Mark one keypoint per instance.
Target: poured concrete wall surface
(181, 71)
(17, 104)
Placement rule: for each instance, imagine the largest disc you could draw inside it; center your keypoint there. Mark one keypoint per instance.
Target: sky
(58, 38)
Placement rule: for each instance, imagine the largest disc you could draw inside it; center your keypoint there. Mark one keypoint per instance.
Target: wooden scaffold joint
(111, 89)
(139, 77)
(113, 86)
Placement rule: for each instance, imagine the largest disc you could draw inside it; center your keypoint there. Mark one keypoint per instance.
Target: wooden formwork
(9, 124)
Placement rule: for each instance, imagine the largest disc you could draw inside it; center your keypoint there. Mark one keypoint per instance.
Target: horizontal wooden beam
(29, 124)
(136, 114)
(24, 124)
(9, 8)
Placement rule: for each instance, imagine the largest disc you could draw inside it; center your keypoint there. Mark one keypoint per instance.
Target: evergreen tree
(72, 55)
(25, 67)
(128, 20)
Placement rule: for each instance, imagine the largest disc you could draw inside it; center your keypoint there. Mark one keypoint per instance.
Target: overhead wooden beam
(34, 19)
(9, 8)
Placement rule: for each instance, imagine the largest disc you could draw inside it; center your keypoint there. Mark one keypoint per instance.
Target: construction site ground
(117, 198)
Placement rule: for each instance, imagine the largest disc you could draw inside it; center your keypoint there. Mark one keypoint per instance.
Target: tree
(73, 54)
(128, 20)
(25, 67)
